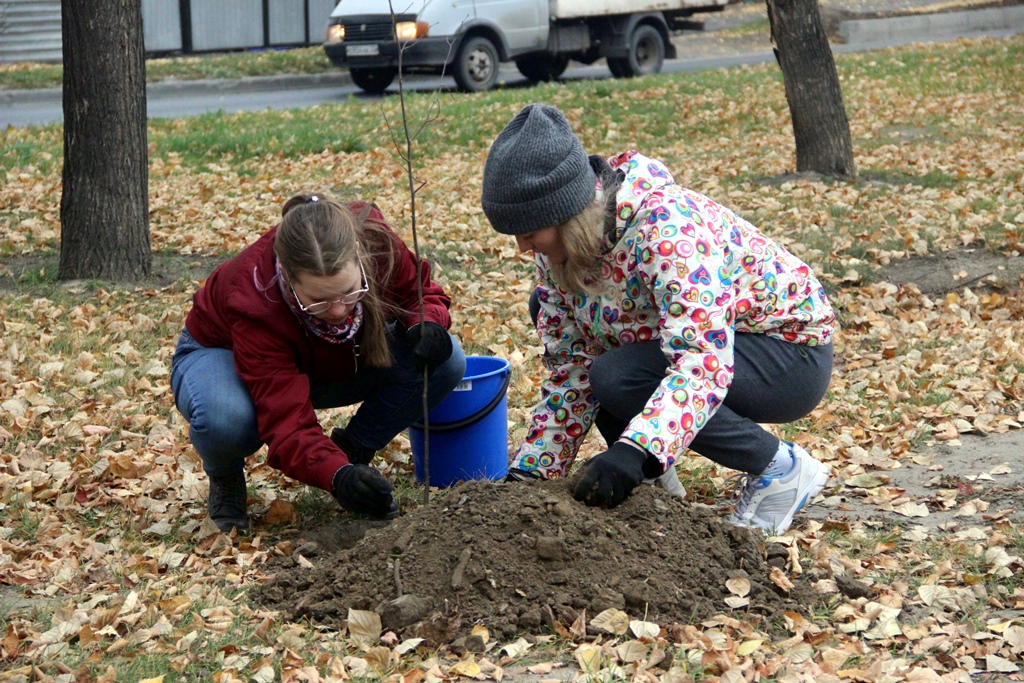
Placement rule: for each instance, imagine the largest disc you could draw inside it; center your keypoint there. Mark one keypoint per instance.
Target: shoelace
(740, 494)
(227, 498)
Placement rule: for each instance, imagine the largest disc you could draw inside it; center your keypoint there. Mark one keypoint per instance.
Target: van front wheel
(373, 80)
(476, 66)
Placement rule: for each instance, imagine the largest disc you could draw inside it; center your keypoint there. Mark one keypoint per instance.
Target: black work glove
(609, 477)
(431, 344)
(515, 474)
(363, 489)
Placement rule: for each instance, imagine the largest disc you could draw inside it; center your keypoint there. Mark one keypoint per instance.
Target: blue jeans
(222, 417)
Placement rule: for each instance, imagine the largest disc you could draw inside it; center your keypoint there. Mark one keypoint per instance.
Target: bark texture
(815, 99)
(104, 208)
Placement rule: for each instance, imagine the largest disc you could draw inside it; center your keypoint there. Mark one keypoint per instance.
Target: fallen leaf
(866, 481)
(280, 512)
(407, 646)
(611, 621)
(517, 648)
(466, 667)
(780, 579)
(644, 629)
(912, 510)
(937, 596)
(738, 586)
(735, 601)
(631, 651)
(364, 625)
(995, 663)
(589, 659)
(800, 653)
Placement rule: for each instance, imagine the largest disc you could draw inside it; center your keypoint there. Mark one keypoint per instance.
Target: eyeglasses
(318, 307)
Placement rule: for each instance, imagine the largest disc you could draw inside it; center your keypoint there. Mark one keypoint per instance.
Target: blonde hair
(583, 240)
(320, 236)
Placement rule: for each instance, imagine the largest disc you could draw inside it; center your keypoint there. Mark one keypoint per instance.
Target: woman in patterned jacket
(667, 321)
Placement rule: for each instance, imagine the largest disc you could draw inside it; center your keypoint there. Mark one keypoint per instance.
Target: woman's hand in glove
(431, 344)
(609, 477)
(363, 489)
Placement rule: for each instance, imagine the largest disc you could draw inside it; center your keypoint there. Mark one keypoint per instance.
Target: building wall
(30, 29)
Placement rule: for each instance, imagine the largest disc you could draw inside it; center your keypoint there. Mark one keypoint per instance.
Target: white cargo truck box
(571, 9)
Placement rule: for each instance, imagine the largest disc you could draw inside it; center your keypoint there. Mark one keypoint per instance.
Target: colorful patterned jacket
(687, 271)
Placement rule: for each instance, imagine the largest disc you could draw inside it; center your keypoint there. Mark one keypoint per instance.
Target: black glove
(363, 489)
(515, 474)
(431, 344)
(609, 477)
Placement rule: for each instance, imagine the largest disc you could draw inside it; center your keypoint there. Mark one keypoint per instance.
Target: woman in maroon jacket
(322, 311)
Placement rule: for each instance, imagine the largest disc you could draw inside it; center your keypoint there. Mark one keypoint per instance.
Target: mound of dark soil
(517, 557)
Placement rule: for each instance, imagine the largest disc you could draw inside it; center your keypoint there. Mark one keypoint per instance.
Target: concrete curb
(920, 27)
(171, 89)
(249, 84)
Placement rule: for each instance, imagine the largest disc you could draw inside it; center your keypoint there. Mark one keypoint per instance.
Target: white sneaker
(769, 503)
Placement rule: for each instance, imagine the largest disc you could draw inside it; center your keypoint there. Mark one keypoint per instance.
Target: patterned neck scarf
(336, 334)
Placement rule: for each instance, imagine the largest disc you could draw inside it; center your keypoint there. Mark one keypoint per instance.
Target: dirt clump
(516, 558)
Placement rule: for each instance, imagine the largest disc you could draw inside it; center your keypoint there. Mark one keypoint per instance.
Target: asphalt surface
(858, 31)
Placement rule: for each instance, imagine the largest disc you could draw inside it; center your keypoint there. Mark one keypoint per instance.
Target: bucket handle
(472, 419)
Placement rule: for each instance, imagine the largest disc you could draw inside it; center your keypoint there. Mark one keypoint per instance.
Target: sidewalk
(855, 25)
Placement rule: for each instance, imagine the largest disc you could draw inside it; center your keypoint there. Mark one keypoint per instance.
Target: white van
(469, 38)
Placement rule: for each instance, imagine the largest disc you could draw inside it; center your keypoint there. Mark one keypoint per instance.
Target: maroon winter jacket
(279, 361)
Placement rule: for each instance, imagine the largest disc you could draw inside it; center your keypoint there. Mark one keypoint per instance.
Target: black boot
(357, 455)
(227, 502)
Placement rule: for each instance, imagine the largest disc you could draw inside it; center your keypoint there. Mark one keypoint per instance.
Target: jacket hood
(643, 175)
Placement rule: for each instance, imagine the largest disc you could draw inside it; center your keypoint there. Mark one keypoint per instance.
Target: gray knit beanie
(537, 174)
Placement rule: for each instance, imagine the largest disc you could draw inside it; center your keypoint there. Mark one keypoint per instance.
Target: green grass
(21, 520)
(932, 179)
(345, 128)
(688, 107)
(42, 275)
(939, 75)
(35, 147)
(760, 27)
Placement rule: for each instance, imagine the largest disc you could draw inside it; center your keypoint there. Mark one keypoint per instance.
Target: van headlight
(335, 33)
(410, 30)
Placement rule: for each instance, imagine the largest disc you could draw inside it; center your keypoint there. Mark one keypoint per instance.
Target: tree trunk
(104, 207)
(820, 125)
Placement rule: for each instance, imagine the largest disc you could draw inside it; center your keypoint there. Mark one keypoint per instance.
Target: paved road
(182, 99)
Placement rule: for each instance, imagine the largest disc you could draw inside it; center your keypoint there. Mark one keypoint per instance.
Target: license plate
(362, 50)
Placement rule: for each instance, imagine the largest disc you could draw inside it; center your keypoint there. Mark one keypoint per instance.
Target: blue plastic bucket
(469, 428)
